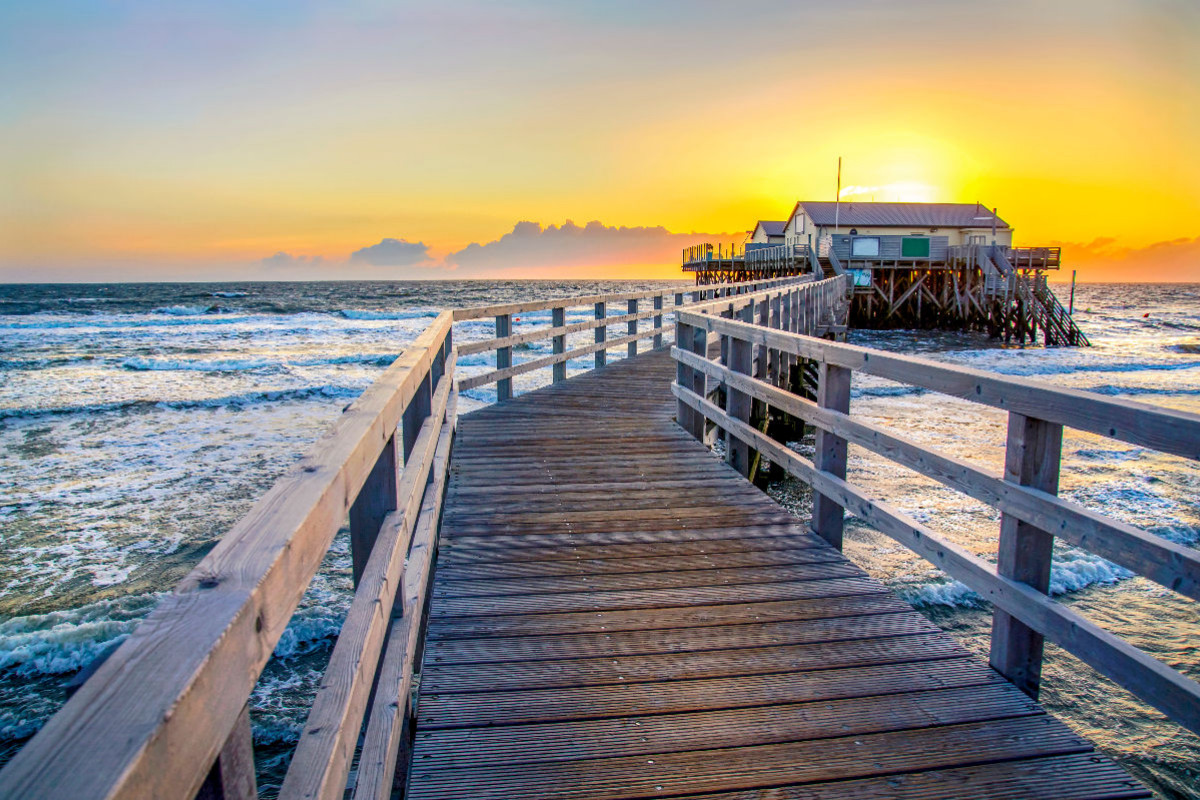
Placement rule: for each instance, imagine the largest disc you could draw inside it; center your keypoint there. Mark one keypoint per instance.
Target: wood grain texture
(331, 732)
(617, 614)
(1168, 690)
(381, 744)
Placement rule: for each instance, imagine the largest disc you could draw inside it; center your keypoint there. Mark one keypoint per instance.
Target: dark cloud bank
(393, 253)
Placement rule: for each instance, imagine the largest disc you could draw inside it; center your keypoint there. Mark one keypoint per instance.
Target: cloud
(531, 248)
(393, 253)
(282, 259)
(1103, 259)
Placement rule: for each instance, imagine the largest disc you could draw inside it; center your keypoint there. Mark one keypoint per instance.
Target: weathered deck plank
(616, 614)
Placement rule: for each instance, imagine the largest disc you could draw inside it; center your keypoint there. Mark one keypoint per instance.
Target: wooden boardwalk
(618, 614)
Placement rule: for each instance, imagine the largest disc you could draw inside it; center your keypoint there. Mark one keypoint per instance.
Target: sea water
(139, 422)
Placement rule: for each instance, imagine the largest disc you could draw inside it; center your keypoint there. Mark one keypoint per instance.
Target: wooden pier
(568, 595)
(618, 614)
(1001, 291)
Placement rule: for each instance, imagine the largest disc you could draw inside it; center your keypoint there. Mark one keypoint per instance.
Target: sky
(295, 140)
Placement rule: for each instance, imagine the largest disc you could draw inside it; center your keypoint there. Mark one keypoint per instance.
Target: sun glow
(900, 192)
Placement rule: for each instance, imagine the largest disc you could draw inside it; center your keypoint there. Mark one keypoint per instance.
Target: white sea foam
(1073, 572)
(183, 311)
(217, 365)
(360, 314)
(66, 641)
(310, 629)
(329, 391)
(1081, 570)
(950, 593)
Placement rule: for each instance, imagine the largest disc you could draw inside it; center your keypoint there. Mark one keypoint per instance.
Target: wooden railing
(662, 301)
(1057, 325)
(778, 256)
(1032, 514)
(166, 714)
(703, 253)
(1035, 257)
(1006, 260)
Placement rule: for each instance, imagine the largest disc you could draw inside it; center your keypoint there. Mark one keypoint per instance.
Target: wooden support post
(699, 382)
(833, 392)
(414, 416)
(503, 358)
(684, 414)
(558, 318)
(601, 334)
(232, 774)
(740, 354)
(379, 494)
(377, 498)
(760, 315)
(631, 329)
(775, 320)
(658, 321)
(737, 405)
(1031, 459)
(785, 324)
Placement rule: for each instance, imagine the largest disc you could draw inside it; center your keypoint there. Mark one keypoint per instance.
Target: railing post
(631, 329)
(503, 357)
(763, 313)
(601, 333)
(658, 321)
(378, 497)
(1031, 459)
(558, 318)
(699, 382)
(684, 414)
(737, 404)
(785, 324)
(833, 392)
(232, 775)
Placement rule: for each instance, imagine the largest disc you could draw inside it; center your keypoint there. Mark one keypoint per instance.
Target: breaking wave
(62, 642)
(415, 313)
(141, 364)
(245, 399)
(1074, 572)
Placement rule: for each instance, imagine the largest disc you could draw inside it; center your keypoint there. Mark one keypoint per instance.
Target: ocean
(138, 422)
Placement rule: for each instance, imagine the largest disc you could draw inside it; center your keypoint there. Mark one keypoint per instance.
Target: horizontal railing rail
(777, 255)
(166, 715)
(754, 349)
(703, 253)
(664, 301)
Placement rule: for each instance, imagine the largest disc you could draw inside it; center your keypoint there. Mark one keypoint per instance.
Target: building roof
(914, 215)
(770, 227)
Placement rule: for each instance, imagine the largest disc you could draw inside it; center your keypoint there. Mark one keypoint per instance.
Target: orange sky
(174, 143)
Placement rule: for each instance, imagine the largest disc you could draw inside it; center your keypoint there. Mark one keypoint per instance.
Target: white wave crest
(182, 311)
(332, 392)
(414, 313)
(174, 364)
(951, 594)
(309, 629)
(66, 641)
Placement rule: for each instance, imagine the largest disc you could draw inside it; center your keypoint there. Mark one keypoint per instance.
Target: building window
(864, 246)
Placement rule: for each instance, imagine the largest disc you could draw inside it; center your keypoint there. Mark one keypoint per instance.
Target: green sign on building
(914, 247)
